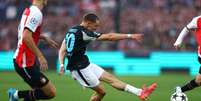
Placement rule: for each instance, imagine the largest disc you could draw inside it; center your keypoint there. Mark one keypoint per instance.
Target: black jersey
(76, 40)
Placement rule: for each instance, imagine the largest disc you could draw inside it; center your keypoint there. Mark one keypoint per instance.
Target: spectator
(159, 20)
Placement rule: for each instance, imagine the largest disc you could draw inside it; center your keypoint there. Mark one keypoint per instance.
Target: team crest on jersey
(33, 21)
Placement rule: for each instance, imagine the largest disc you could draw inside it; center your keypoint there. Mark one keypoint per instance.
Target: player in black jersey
(88, 74)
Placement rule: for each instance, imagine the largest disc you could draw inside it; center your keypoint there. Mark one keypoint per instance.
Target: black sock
(189, 86)
(28, 95)
(22, 94)
(32, 95)
(39, 94)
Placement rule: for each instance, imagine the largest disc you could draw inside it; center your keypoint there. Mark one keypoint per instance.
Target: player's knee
(102, 93)
(52, 93)
(198, 79)
(93, 98)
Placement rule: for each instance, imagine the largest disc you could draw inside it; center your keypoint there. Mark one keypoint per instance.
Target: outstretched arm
(120, 36)
(191, 26)
(180, 38)
(62, 53)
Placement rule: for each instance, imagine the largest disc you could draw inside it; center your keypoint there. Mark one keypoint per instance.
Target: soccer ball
(178, 97)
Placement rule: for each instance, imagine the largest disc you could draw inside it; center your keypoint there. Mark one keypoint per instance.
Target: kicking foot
(147, 91)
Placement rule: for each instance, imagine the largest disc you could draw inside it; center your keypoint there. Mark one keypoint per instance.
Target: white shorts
(89, 76)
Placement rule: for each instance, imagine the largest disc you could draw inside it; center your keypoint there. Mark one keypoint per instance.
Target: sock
(133, 90)
(32, 95)
(23, 94)
(39, 94)
(189, 86)
(28, 95)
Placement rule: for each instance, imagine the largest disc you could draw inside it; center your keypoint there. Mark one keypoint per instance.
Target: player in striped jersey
(194, 25)
(29, 33)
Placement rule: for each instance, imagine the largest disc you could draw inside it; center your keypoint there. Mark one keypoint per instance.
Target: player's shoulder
(78, 27)
(35, 11)
(74, 29)
(197, 17)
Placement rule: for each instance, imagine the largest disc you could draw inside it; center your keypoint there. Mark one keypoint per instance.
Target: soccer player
(26, 54)
(88, 74)
(194, 25)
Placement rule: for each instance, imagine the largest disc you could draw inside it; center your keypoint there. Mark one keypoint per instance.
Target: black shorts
(199, 59)
(32, 75)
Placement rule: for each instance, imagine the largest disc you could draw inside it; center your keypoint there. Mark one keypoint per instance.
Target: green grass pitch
(70, 90)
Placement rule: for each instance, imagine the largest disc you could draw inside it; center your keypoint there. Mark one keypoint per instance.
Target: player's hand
(137, 37)
(52, 43)
(61, 71)
(177, 46)
(43, 63)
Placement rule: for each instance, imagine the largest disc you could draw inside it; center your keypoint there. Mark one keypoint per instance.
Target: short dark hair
(90, 17)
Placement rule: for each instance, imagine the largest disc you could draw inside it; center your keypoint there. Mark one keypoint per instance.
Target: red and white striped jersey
(32, 20)
(196, 24)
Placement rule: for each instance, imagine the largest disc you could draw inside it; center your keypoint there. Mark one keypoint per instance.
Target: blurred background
(159, 20)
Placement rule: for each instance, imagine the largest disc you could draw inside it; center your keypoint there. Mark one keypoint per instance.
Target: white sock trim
(133, 90)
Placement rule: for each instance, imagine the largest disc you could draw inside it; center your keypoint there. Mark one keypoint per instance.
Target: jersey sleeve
(194, 23)
(199, 23)
(33, 21)
(181, 36)
(87, 36)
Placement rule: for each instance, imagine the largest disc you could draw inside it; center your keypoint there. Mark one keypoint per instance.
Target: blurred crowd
(159, 20)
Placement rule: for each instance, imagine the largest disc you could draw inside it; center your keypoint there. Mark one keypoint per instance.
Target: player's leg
(198, 77)
(46, 92)
(120, 85)
(87, 78)
(98, 94)
(42, 87)
(190, 85)
(193, 83)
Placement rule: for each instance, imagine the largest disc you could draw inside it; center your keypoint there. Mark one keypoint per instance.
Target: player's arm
(51, 42)
(33, 21)
(180, 38)
(120, 36)
(62, 53)
(191, 26)
(28, 40)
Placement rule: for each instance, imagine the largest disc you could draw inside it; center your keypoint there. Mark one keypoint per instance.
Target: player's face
(92, 26)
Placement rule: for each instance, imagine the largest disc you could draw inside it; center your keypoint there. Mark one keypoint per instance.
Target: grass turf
(70, 90)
